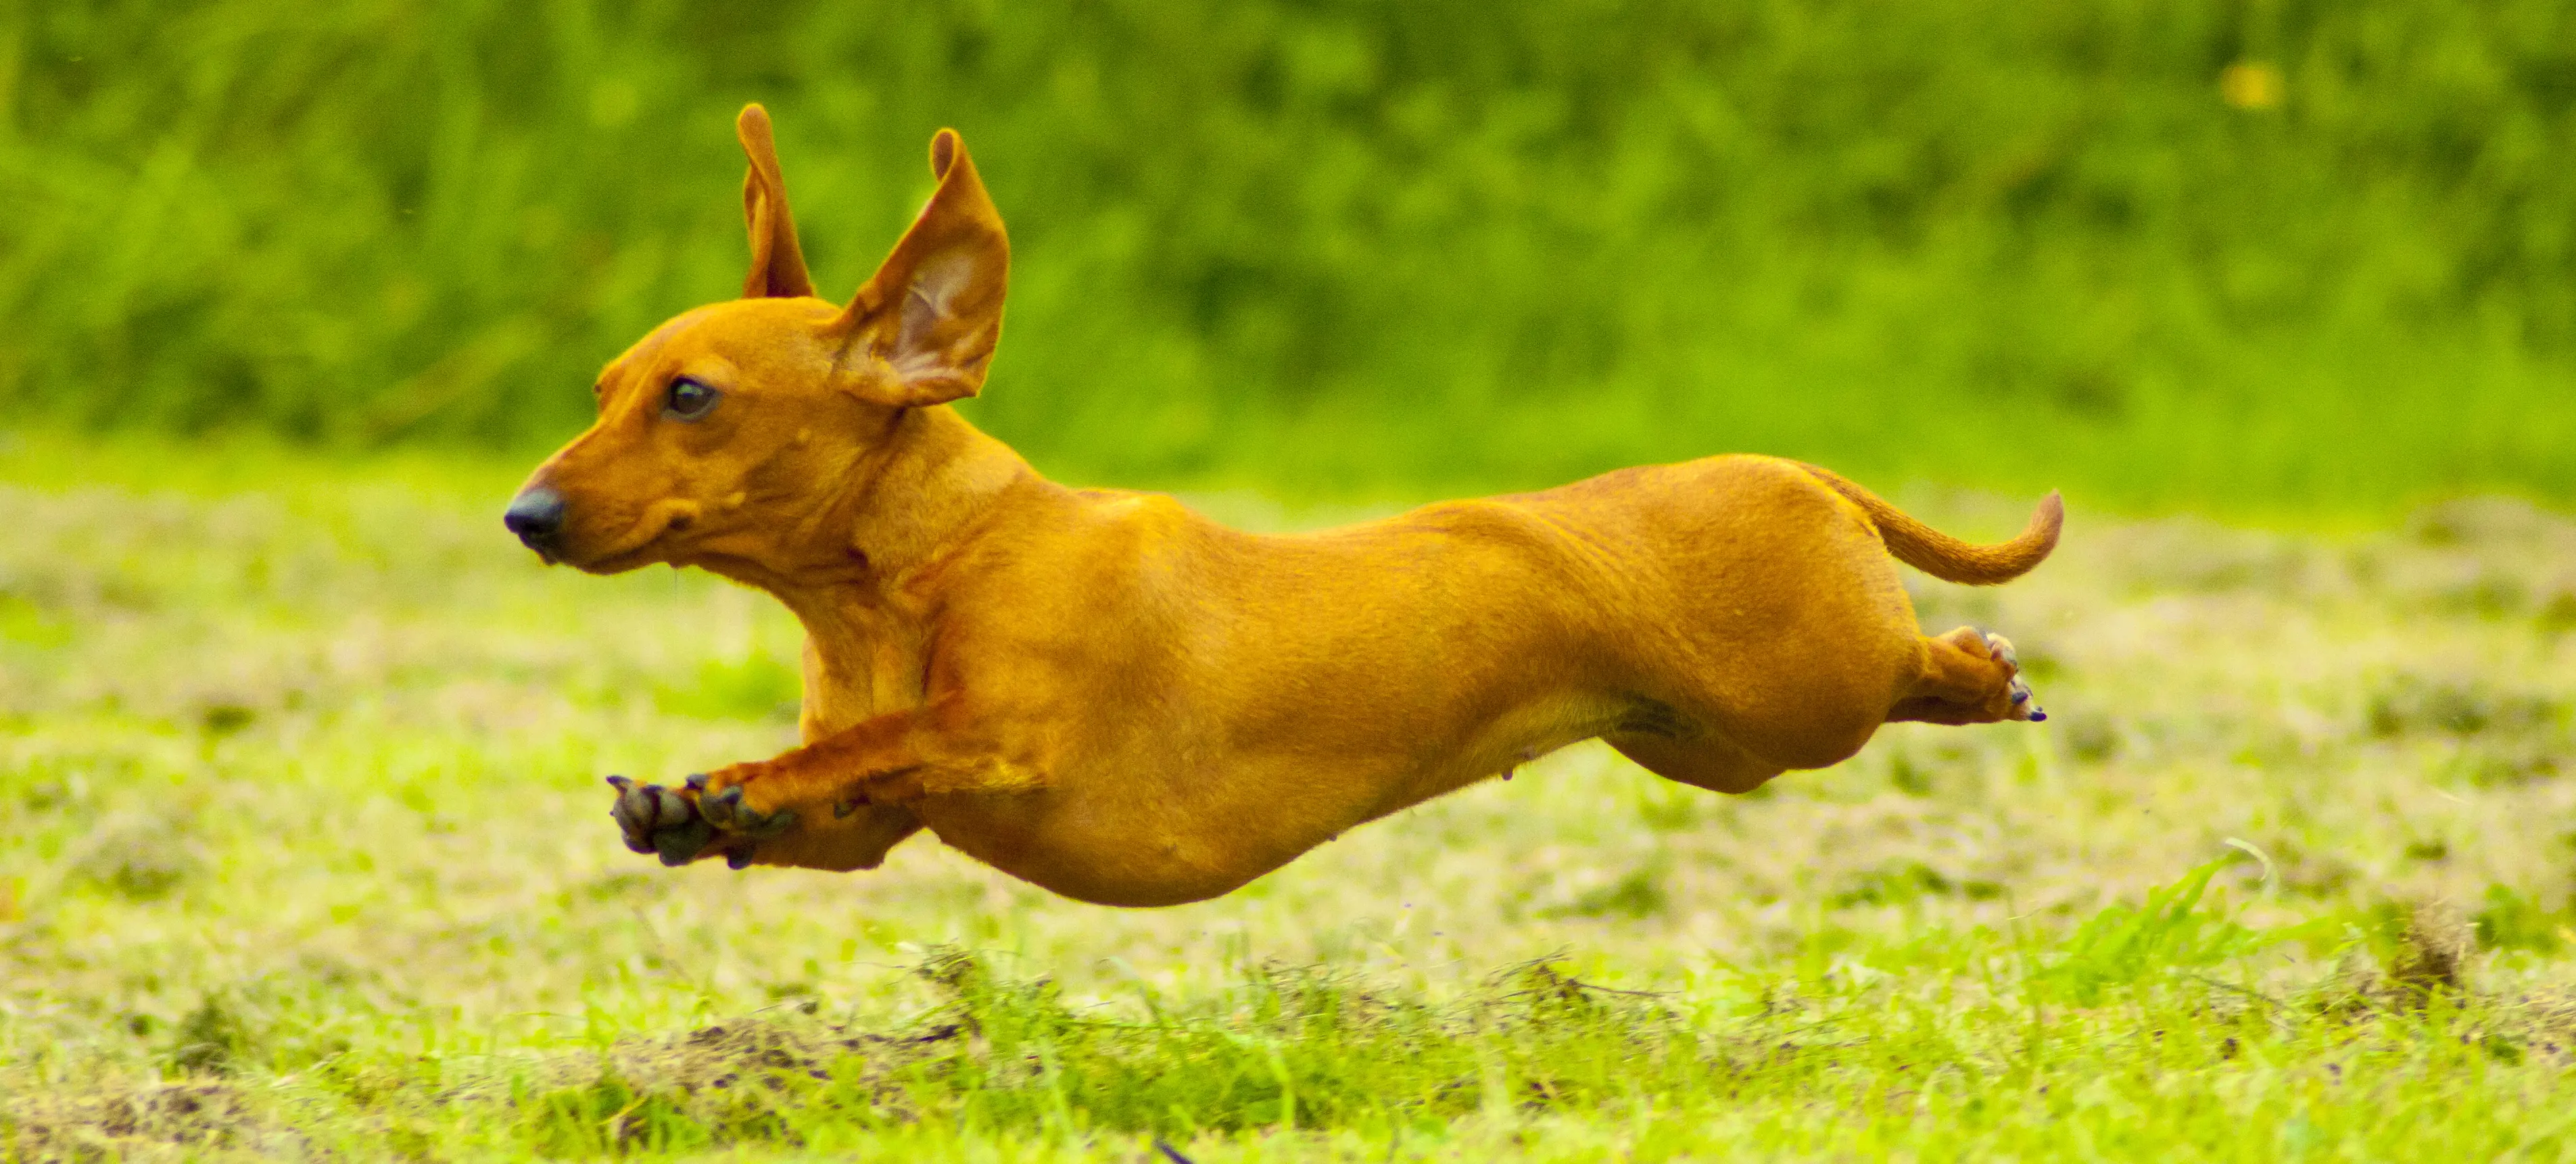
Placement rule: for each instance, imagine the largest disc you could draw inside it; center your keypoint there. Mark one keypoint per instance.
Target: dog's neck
(921, 492)
(914, 497)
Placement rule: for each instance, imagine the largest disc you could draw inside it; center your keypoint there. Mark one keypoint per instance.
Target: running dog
(1115, 698)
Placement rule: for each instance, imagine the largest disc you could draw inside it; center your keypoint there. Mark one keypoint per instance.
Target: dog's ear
(933, 311)
(777, 263)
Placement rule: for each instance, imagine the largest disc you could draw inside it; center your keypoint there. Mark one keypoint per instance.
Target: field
(309, 857)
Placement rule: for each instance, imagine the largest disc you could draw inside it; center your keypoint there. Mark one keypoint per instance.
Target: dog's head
(727, 425)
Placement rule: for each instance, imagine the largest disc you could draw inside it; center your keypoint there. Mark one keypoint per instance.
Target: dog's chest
(852, 679)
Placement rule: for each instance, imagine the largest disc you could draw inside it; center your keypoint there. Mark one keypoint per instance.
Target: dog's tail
(1945, 557)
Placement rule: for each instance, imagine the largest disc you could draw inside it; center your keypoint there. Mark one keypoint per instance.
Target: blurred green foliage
(1323, 245)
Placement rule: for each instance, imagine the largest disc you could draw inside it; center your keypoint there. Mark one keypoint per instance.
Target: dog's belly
(1054, 841)
(1139, 833)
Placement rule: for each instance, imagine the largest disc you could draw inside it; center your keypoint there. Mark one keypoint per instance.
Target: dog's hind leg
(1968, 676)
(1708, 761)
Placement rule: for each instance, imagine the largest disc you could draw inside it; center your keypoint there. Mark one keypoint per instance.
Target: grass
(309, 857)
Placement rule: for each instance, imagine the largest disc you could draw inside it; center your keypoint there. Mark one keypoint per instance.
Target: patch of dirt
(2433, 954)
(731, 1083)
(761, 1052)
(198, 1114)
(715, 1075)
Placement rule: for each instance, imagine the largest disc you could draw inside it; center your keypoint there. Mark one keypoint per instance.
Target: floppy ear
(933, 311)
(777, 263)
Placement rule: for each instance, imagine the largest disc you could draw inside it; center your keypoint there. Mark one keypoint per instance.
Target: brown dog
(1110, 696)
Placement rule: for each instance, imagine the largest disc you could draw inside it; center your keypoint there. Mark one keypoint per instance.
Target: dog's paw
(2024, 707)
(661, 821)
(679, 825)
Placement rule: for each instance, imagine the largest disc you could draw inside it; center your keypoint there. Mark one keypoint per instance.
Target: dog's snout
(536, 515)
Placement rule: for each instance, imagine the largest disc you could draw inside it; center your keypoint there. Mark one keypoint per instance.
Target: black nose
(536, 515)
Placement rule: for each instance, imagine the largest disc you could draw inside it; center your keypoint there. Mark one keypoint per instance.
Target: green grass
(1351, 250)
(1267, 1063)
(309, 856)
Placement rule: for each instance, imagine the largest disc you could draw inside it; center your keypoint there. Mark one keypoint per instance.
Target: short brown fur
(1114, 698)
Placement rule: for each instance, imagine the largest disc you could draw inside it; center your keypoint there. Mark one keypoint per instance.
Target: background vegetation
(1348, 247)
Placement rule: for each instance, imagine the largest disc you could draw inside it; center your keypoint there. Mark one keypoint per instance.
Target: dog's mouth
(643, 544)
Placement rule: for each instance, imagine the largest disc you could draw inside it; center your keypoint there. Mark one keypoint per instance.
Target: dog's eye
(690, 400)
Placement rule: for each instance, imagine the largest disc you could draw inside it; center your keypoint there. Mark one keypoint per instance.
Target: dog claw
(697, 782)
(2023, 706)
(738, 859)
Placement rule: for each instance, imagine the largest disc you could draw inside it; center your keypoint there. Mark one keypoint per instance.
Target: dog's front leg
(771, 810)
